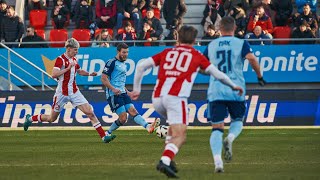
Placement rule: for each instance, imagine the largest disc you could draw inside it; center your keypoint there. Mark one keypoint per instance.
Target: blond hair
(72, 42)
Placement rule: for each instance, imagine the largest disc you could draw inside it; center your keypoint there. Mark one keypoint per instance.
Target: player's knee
(90, 114)
(123, 118)
(132, 111)
(218, 126)
(52, 119)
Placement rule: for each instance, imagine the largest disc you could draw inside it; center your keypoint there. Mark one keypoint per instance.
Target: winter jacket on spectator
(130, 5)
(302, 34)
(34, 38)
(310, 19)
(264, 22)
(106, 9)
(210, 16)
(83, 13)
(61, 17)
(260, 37)
(36, 5)
(12, 29)
(156, 24)
(239, 16)
(283, 10)
(230, 4)
(173, 11)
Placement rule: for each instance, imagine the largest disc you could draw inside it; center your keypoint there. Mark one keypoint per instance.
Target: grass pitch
(79, 154)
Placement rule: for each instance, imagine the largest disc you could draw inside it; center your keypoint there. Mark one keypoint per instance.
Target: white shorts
(59, 100)
(173, 108)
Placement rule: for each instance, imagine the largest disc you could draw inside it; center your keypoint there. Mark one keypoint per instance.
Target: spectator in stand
(156, 24)
(154, 4)
(260, 18)
(266, 6)
(229, 5)
(83, 15)
(173, 12)
(32, 37)
(129, 9)
(283, 9)
(210, 16)
(3, 11)
(66, 3)
(60, 15)
(309, 17)
(103, 39)
(12, 28)
(239, 16)
(128, 34)
(36, 4)
(211, 34)
(106, 11)
(148, 34)
(303, 32)
(258, 34)
(312, 3)
(173, 37)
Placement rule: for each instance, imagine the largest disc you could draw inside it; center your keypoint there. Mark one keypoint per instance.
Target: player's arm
(85, 73)
(255, 66)
(140, 69)
(56, 72)
(105, 81)
(213, 71)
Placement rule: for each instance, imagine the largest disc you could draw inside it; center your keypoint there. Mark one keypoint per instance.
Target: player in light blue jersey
(114, 78)
(228, 54)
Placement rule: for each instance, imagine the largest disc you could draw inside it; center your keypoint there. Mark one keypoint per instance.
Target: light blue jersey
(227, 53)
(116, 72)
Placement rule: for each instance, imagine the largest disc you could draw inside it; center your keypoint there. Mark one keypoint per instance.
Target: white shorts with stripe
(173, 108)
(59, 100)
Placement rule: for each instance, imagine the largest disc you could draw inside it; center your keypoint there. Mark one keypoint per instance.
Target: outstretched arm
(85, 73)
(141, 68)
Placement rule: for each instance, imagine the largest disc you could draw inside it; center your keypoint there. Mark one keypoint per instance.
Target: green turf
(258, 154)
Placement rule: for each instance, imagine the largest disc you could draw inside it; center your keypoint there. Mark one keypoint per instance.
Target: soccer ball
(162, 131)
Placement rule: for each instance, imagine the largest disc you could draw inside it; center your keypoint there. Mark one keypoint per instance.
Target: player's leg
(237, 111)
(58, 103)
(216, 113)
(79, 101)
(137, 117)
(116, 104)
(177, 112)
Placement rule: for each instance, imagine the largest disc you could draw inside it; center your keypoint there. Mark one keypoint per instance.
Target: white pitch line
(144, 164)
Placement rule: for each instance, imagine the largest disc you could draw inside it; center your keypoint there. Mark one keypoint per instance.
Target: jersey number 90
(179, 60)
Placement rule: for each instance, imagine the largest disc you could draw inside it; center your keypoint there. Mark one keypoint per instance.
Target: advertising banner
(264, 108)
(279, 64)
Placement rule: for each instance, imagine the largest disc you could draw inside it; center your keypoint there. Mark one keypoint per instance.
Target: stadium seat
(82, 35)
(97, 32)
(58, 35)
(156, 11)
(281, 32)
(38, 18)
(41, 33)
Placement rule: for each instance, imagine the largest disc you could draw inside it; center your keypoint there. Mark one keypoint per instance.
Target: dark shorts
(219, 110)
(121, 100)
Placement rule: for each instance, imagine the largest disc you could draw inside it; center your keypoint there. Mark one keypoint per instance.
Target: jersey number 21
(225, 63)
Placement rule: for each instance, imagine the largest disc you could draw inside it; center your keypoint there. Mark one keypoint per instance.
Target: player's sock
(114, 126)
(36, 118)
(216, 144)
(99, 129)
(168, 138)
(139, 120)
(234, 130)
(169, 152)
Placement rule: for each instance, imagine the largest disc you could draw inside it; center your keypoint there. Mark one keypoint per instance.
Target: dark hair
(227, 24)
(122, 46)
(187, 34)
(211, 26)
(30, 26)
(128, 23)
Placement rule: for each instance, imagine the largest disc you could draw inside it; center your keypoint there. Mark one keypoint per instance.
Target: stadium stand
(82, 35)
(58, 35)
(38, 18)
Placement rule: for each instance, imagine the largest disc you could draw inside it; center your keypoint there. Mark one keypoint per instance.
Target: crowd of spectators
(135, 20)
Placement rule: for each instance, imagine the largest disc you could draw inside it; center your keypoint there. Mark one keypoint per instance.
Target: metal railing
(10, 73)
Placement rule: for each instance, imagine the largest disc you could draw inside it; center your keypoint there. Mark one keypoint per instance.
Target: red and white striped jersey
(178, 68)
(67, 81)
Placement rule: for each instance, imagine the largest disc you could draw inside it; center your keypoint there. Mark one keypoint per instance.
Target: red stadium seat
(82, 35)
(41, 33)
(58, 35)
(97, 32)
(38, 18)
(281, 32)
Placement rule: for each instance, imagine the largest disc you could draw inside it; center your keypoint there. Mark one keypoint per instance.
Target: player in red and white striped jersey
(178, 67)
(65, 69)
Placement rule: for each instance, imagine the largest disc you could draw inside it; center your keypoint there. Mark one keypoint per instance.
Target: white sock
(231, 137)
(166, 160)
(217, 160)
